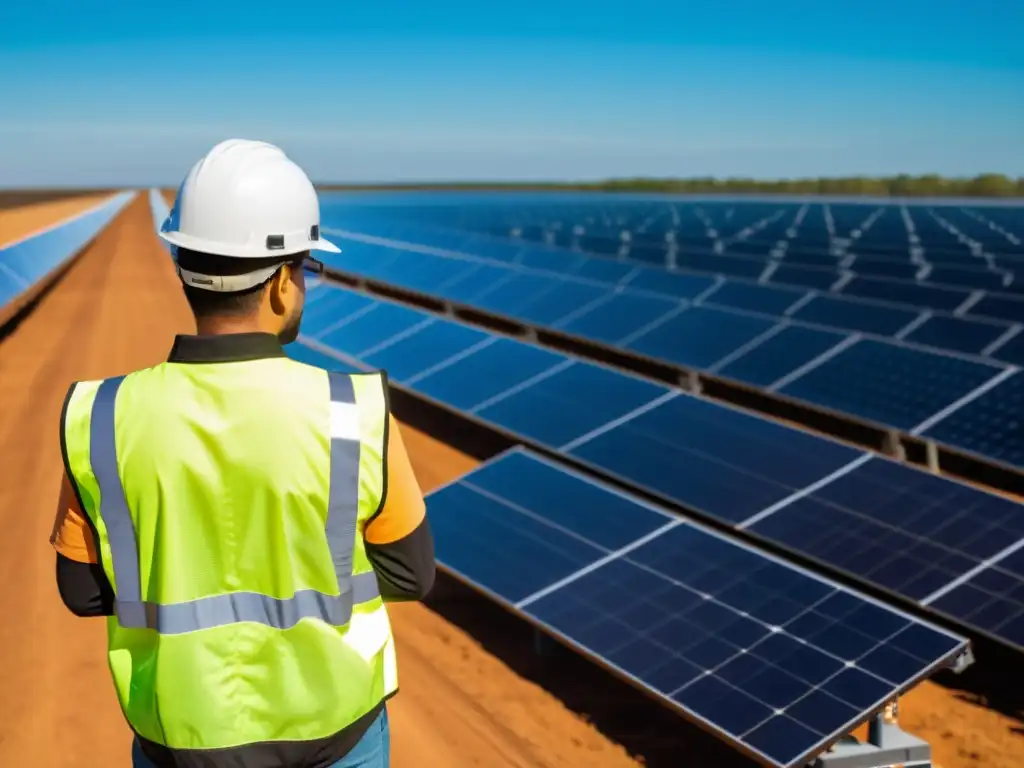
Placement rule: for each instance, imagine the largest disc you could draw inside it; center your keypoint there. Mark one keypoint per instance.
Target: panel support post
(689, 381)
(887, 745)
(893, 446)
(932, 453)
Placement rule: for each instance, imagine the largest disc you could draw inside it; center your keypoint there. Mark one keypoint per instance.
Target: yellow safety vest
(229, 502)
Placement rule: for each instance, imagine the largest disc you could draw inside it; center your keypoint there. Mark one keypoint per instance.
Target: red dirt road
(472, 692)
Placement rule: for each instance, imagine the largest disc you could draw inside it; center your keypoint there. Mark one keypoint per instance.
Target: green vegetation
(929, 185)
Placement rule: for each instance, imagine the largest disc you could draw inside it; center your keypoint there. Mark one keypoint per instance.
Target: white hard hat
(246, 200)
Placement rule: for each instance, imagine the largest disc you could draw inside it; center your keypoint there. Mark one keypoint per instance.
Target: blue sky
(133, 93)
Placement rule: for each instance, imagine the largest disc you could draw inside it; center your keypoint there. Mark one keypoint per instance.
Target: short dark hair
(206, 303)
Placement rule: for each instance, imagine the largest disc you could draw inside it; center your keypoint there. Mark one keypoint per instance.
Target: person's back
(236, 504)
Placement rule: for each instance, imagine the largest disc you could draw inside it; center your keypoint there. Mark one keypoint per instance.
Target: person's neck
(223, 326)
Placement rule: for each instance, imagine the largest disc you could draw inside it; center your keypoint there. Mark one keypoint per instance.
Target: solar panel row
(754, 288)
(773, 659)
(918, 535)
(24, 263)
(914, 272)
(883, 382)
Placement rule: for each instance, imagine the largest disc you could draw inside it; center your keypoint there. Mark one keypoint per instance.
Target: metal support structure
(932, 452)
(690, 382)
(893, 446)
(887, 745)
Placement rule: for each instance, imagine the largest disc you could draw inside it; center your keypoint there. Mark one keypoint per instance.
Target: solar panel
(991, 598)
(925, 296)
(959, 334)
(1012, 351)
(989, 425)
(439, 340)
(776, 661)
(363, 331)
(757, 298)
(491, 371)
(878, 319)
(571, 401)
(717, 460)
(699, 337)
(619, 317)
(906, 530)
(793, 347)
(889, 385)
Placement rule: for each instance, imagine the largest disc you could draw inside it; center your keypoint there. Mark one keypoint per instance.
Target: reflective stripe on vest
(217, 610)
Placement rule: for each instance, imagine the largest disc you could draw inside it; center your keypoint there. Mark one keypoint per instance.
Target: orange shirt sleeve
(404, 507)
(72, 536)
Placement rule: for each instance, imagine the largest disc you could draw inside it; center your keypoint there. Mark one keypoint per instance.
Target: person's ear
(282, 292)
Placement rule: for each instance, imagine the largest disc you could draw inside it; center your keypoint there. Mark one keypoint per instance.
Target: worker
(241, 517)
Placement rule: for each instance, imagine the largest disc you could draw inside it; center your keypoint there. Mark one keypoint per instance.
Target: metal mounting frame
(887, 745)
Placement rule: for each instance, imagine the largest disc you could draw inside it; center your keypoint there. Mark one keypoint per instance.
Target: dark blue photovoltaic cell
(1012, 351)
(369, 329)
(889, 385)
(772, 658)
(425, 274)
(893, 525)
(491, 544)
(989, 425)
(515, 293)
(805, 277)
(428, 346)
(683, 286)
(699, 336)
(607, 519)
(573, 402)
(947, 332)
(717, 460)
(1000, 307)
(931, 297)
(993, 600)
(603, 270)
(488, 372)
(567, 298)
(756, 298)
(329, 305)
(475, 283)
(311, 356)
(866, 318)
(777, 356)
(618, 318)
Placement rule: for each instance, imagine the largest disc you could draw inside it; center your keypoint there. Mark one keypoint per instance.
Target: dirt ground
(472, 691)
(19, 221)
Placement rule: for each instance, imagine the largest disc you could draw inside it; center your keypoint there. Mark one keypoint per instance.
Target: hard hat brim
(241, 251)
(325, 245)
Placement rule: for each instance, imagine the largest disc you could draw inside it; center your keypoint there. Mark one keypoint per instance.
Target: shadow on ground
(646, 729)
(989, 682)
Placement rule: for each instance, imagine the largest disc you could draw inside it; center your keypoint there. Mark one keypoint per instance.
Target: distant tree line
(903, 185)
(929, 185)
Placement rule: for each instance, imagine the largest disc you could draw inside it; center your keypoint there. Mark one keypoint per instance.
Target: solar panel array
(772, 658)
(887, 381)
(926, 538)
(26, 262)
(878, 250)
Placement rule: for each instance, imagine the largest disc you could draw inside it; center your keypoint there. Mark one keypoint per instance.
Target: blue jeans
(373, 750)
